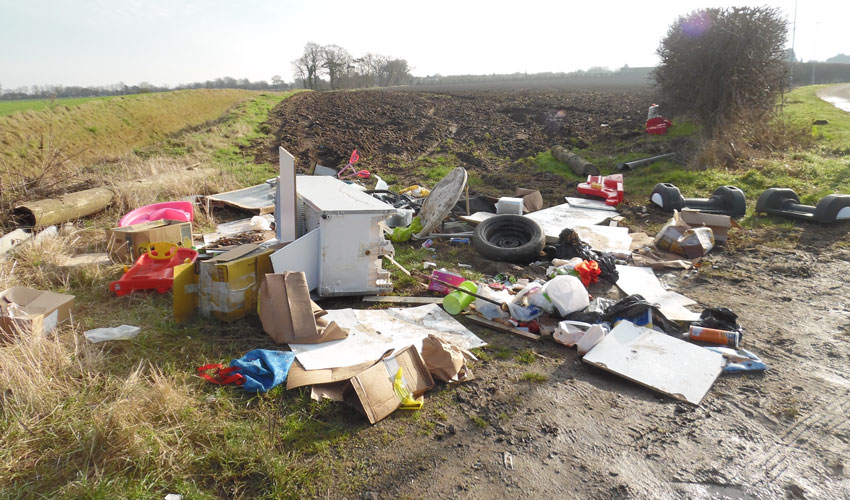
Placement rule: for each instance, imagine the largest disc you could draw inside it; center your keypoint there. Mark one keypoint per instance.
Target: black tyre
(509, 238)
(773, 200)
(667, 196)
(731, 201)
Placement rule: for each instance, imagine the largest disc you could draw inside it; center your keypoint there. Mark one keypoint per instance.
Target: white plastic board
(286, 209)
(643, 281)
(301, 255)
(373, 332)
(658, 361)
(587, 203)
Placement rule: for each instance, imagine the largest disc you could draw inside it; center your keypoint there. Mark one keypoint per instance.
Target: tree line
(120, 88)
(344, 71)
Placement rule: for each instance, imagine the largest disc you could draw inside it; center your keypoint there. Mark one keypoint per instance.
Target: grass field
(9, 107)
(130, 419)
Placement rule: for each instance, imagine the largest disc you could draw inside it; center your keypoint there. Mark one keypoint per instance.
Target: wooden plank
(395, 299)
(502, 328)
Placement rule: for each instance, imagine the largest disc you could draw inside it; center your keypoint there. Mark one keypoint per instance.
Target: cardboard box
(126, 244)
(679, 237)
(371, 391)
(27, 310)
(719, 224)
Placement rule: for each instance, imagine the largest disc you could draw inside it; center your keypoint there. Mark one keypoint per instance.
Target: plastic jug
(457, 301)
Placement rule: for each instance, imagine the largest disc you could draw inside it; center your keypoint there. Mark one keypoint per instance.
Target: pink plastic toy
(171, 210)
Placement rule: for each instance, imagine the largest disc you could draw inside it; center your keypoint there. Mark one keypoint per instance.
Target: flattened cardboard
(26, 310)
(127, 243)
(289, 315)
(371, 391)
(299, 377)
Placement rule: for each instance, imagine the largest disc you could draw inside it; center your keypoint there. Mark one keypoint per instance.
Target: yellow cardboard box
(225, 287)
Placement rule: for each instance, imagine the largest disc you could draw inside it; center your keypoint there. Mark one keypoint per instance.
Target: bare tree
(299, 71)
(337, 61)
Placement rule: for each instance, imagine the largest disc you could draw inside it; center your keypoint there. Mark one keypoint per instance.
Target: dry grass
(61, 149)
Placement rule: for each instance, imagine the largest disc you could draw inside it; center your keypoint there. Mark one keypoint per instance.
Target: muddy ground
(579, 432)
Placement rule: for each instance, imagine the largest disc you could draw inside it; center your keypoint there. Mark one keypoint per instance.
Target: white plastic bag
(488, 309)
(381, 184)
(122, 332)
(567, 294)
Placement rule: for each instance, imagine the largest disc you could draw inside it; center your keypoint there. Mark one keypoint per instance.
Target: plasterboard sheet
(660, 362)
(642, 280)
(616, 240)
(585, 222)
(373, 332)
(301, 255)
(260, 198)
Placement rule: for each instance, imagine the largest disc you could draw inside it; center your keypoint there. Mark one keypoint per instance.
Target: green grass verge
(812, 172)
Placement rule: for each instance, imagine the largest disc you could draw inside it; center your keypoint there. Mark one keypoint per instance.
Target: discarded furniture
(726, 200)
(170, 210)
(785, 202)
(154, 270)
(337, 239)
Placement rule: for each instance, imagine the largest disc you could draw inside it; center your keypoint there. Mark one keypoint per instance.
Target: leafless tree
(337, 61)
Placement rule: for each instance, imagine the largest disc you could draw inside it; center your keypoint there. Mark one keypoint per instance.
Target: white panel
(285, 213)
(302, 254)
(643, 281)
(666, 364)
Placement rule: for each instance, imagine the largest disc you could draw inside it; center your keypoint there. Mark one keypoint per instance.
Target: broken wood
(502, 328)
(396, 299)
(58, 210)
(577, 164)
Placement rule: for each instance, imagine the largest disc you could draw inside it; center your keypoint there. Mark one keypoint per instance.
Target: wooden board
(395, 299)
(502, 328)
(660, 362)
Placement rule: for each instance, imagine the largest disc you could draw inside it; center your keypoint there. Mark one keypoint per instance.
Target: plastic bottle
(713, 336)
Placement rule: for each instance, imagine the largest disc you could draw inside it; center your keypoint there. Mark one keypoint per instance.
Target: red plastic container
(154, 270)
(609, 187)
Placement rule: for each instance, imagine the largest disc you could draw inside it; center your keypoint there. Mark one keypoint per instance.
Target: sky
(167, 42)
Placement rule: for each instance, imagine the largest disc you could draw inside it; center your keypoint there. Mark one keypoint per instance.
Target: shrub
(724, 66)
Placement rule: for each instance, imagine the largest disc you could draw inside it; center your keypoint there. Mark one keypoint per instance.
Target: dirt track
(585, 433)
